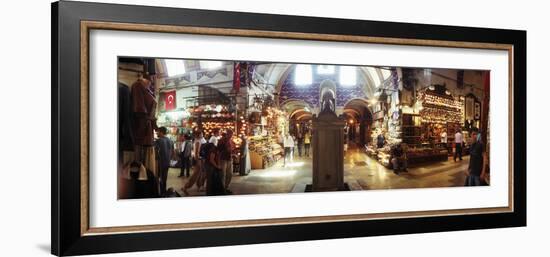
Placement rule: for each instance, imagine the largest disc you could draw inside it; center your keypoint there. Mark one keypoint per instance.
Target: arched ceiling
(274, 74)
(271, 74)
(293, 105)
(301, 114)
(352, 112)
(358, 108)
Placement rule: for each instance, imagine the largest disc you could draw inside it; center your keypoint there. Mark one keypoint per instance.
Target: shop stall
(178, 122)
(209, 118)
(266, 138)
(434, 114)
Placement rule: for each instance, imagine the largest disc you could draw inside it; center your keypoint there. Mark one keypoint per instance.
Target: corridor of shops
(361, 173)
(295, 128)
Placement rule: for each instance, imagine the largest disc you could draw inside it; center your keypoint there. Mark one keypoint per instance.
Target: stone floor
(361, 172)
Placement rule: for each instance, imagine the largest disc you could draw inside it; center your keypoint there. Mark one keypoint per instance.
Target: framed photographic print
(178, 128)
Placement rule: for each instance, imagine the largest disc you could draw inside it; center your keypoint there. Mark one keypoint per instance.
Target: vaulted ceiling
(274, 74)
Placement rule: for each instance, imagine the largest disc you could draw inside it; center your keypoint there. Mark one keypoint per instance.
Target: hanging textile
(143, 110)
(125, 135)
(142, 173)
(128, 157)
(469, 108)
(150, 161)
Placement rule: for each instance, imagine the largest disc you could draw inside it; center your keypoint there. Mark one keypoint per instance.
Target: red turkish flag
(237, 77)
(170, 100)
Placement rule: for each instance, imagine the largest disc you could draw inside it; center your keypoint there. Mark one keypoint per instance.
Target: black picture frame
(66, 235)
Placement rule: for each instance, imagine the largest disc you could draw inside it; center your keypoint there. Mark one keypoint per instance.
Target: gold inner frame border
(87, 26)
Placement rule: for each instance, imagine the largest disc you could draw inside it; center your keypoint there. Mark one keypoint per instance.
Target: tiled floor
(361, 172)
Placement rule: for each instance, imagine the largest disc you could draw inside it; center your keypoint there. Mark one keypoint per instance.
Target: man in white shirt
(458, 145)
(202, 141)
(288, 144)
(443, 136)
(214, 138)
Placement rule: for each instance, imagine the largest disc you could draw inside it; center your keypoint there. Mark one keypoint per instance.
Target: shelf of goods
(210, 120)
(264, 152)
(174, 129)
(441, 109)
(411, 129)
(220, 116)
(209, 125)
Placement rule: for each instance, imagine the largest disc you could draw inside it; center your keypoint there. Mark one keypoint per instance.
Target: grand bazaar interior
(296, 127)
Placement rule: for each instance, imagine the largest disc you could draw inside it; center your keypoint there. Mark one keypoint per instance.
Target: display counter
(415, 155)
(426, 154)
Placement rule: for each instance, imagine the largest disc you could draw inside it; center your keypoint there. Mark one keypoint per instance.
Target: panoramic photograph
(189, 128)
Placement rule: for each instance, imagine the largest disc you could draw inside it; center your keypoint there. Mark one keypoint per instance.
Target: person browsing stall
(398, 159)
(380, 140)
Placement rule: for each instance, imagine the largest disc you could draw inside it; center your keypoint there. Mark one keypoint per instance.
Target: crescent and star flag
(170, 100)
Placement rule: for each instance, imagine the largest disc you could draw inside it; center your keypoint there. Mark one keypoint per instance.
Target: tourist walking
(197, 163)
(300, 145)
(225, 148)
(213, 170)
(288, 144)
(186, 148)
(307, 143)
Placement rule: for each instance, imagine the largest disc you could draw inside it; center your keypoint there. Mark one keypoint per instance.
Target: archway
(299, 115)
(359, 120)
